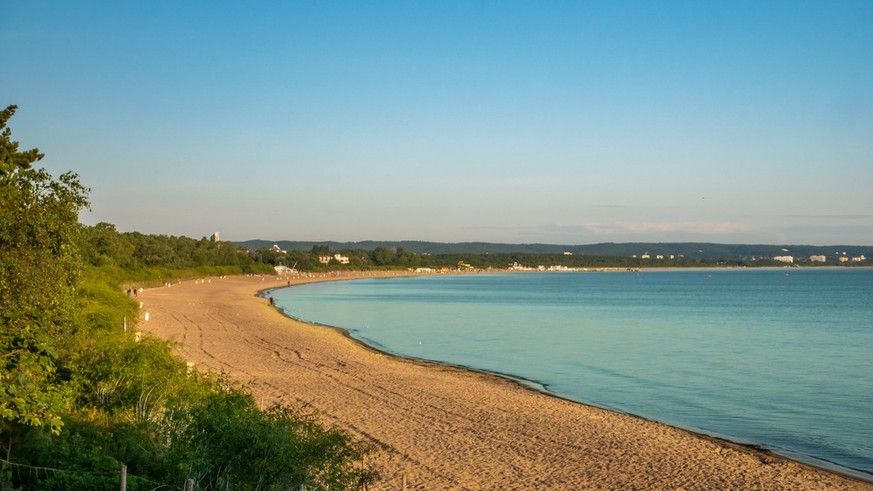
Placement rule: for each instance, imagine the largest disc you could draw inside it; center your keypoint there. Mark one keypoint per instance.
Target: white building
(784, 259)
(818, 259)
(341, 259)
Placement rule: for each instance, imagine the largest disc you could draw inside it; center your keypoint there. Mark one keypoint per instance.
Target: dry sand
(444, 427)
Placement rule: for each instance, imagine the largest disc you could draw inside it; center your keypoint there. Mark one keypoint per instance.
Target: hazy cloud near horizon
(563, 122)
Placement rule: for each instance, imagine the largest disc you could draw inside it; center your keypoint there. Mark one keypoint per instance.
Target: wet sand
(443, 427)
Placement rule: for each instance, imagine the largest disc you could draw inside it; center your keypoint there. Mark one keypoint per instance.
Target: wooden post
(123, 477)
(189, 485)
(404, 482)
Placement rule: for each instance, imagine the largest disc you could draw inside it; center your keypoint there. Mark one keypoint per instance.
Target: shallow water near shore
(778, 358)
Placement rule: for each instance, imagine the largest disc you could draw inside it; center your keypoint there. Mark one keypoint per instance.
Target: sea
(781, 359)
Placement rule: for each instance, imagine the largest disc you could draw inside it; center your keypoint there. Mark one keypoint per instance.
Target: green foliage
(13, 162)
(135, 403)
(39, 267)
(226, 442)
(161, 255)
(79, 394)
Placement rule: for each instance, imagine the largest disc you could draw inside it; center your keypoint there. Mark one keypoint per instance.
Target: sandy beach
(442, 427)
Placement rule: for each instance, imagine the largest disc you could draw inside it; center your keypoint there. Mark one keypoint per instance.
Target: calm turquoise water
(777, 358)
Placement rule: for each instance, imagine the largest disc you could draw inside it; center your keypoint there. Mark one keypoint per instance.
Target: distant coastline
(693, 250)
(431, 256)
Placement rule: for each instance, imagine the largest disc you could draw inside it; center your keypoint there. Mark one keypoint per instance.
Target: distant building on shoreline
(818, 259)
(326, 258)
(784, 259)
(214, 237)
(341, 259)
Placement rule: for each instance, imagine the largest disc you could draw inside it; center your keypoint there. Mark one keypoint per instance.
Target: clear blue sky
(558, 122)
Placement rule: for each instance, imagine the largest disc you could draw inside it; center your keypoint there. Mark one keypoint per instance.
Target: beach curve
(442, 427)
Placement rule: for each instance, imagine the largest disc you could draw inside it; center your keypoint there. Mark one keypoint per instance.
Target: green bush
(79, 395)
(225, 442)
(135, 403)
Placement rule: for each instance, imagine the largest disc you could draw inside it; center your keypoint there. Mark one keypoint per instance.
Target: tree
(39, 268)
(320, 250)
(382, 256)
(12, 161)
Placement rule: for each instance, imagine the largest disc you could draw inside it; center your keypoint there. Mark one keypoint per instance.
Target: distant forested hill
(695, 250)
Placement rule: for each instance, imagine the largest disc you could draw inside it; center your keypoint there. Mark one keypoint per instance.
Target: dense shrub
(80, 394)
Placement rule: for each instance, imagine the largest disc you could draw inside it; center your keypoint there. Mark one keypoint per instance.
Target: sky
(522, 122)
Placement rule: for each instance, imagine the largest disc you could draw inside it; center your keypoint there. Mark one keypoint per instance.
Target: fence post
(404, 482)
(189, 485)
(123, 477)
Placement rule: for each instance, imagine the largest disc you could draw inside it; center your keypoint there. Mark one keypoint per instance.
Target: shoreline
(543, 388)
(701, 475)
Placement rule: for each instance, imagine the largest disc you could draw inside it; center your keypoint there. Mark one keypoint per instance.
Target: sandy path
(448, 428)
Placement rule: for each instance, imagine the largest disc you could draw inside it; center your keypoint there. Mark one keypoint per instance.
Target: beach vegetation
(39, 271)
(81, 392)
